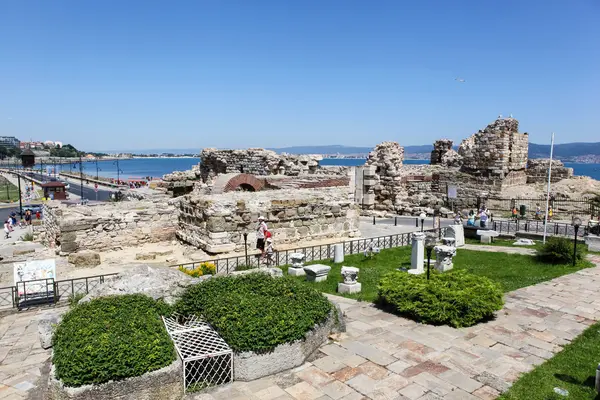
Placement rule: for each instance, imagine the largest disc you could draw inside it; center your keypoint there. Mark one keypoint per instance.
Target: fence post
(417, 222)
(395, 221)
(373, 220)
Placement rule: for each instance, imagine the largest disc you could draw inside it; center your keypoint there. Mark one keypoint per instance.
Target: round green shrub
(559, 250)
(255, 312)
(111, 338)
(453, 298)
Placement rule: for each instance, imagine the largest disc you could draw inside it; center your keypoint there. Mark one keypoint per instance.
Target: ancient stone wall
(537, 171)
(440, 148)
(216, 223)
(387, 158)
(256, 162)
(108, 226)
(495, 150)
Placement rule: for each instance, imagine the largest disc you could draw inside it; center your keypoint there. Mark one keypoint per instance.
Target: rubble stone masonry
(537, 171)
(216, 223)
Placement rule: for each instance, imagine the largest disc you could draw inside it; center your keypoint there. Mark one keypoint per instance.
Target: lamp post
(246, 247)
(429, 245)
(422, 216)
(576, 225)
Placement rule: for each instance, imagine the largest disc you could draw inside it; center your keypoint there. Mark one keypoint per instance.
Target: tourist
(550, 213)
(458, 219)
(483, 217)
(471, 220)
(269, 251)
(38, 214)
(538, 212)
(515, 213)
(261, 233)
(28, 217)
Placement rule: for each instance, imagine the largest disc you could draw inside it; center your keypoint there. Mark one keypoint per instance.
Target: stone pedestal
(418, 253)
(297, 264)
(349, 288)
(593, 242)
(443, 257)
(338, 253)
(316, 272)
(458, 233)
(486, 239)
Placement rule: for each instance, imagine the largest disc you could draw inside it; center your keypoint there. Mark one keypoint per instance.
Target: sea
(157, 167)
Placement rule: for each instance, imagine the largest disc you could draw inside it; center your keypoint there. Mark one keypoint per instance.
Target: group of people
(11, 221)
(482, 215)
(264, 242)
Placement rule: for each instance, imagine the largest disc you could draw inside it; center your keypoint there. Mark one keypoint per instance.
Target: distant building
(32, 145)
(9, 141)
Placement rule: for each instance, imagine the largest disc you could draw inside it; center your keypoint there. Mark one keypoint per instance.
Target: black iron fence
(537, 226)
(47, 291)
(311, 253)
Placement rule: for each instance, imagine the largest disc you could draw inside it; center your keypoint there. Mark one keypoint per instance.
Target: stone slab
(296, 271)
(317, 272)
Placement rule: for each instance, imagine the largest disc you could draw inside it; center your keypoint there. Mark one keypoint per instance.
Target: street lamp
(429, 245)
(422, 216)
(246, 247)
(576, 225)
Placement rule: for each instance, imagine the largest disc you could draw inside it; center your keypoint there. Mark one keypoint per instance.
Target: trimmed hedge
(111, 338)
(453, 298)
(559, 250)
(256, 312)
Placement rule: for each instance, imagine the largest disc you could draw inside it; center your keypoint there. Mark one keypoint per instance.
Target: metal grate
(207, 359)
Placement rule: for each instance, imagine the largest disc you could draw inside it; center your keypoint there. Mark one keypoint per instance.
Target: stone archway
(230, 182)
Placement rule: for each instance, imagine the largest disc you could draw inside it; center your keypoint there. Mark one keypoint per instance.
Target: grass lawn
(512, 271)
(573, 369)
(13, 192)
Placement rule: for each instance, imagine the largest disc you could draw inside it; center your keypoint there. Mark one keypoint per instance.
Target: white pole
(548, 192)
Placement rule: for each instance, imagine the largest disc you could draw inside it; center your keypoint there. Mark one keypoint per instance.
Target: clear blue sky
(125, 74)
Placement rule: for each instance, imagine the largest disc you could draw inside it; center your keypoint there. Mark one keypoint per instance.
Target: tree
(66, 151)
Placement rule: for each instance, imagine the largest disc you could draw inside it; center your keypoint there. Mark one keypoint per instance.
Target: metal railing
(537, 226)
(47, 291)
(311, 253)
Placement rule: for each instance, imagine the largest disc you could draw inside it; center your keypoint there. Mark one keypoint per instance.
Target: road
(75, 188)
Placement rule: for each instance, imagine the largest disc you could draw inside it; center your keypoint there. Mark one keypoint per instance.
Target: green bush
(255, 312)
(453, 298)
(559, 250)
(111, 338)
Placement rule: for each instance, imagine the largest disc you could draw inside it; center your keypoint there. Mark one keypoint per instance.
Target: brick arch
(229, 182)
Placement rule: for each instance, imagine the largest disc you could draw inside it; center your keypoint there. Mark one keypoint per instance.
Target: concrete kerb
(248, 366)
(164, 383)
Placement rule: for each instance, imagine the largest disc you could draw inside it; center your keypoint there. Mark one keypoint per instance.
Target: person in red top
(38, 215)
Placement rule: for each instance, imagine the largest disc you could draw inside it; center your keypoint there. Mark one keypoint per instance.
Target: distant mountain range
(584, 152)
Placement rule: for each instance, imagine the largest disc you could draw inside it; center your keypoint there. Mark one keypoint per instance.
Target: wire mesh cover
(207, 359)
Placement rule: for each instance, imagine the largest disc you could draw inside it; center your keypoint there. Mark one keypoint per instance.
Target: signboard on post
(31, 271)
(452, 191)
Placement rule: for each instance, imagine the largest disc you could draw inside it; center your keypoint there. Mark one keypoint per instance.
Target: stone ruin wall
(216, 223)
(537, 171)
(109, 226)
(496, 150)
(256, 162)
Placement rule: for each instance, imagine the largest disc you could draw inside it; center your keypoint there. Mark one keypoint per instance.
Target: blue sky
(116, 74)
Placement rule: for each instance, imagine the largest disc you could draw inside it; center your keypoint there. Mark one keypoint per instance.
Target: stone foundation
(108, 226)
(216, 223)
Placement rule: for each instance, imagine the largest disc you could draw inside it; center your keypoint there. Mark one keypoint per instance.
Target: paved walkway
(382, 356)
(501, 249)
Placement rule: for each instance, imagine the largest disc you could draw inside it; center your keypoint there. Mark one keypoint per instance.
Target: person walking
(471, 220)
(538, 212)
(483, 217)
(261, 233)
(515, 213)
(269, 251)
(7, 229)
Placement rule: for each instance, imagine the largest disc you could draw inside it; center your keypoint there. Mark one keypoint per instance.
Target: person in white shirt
(7, 229)
(261, 230)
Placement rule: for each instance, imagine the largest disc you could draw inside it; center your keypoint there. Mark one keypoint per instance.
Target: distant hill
(565, 150)
(335, 149)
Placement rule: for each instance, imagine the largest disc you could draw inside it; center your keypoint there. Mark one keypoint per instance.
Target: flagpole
(548, 191)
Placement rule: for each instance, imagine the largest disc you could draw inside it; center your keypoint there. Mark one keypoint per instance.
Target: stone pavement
(382, 356)
(21, 356)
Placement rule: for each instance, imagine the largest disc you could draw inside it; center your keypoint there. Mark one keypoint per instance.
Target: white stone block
(338, 253)
(219, 248)
(296, 271)
(418, 252)
(485, 239)
(443, 257)
(349, 288)
(593, 242)
(316, 272)
(458, 233)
